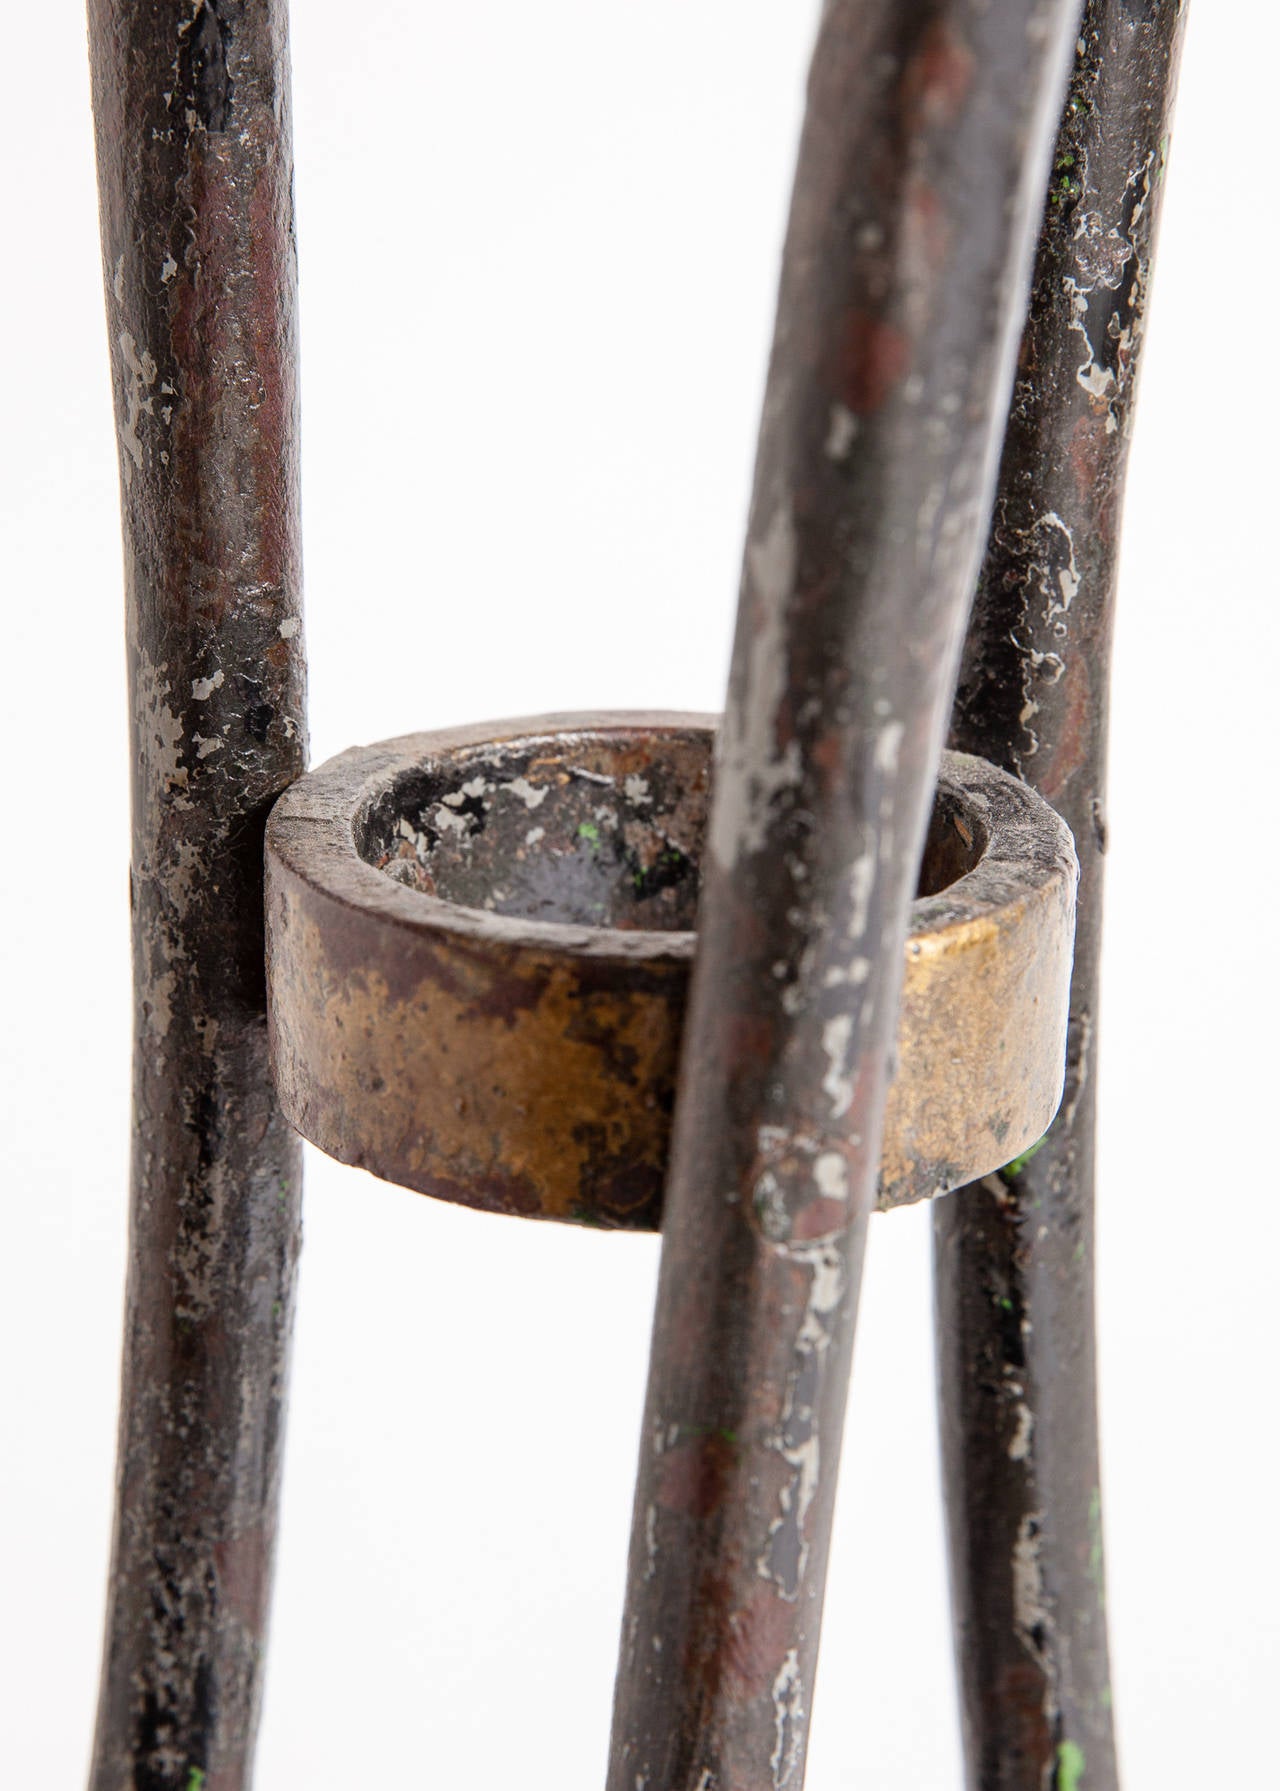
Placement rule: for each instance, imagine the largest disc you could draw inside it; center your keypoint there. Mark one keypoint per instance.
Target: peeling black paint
(204, 80)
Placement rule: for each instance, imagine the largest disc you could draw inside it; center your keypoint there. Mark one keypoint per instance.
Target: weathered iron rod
(925, 147)
(191, 108)
(1014, 1253)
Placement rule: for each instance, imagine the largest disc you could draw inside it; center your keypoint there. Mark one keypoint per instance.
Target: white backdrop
(538, 255)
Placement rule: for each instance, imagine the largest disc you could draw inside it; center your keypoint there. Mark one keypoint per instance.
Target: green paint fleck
(1106, 1697)
(1018, 1164)
(717, 1432)
(1070, 1766)
(1006, 1304)
(195, 1778)
(589, 831)
(584, 1215)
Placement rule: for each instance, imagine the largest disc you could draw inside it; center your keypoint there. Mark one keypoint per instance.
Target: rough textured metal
(192, 116)
(500, 1024)
(924, 153)
(1014, 1254)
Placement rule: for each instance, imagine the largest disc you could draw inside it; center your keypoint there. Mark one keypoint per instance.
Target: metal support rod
(1014, 1253)
(191, 108)
(925, 148)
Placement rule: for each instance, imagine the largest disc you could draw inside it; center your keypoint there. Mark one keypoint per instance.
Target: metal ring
(478, 952)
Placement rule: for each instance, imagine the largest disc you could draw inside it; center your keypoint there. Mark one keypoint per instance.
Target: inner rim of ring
(587, 829)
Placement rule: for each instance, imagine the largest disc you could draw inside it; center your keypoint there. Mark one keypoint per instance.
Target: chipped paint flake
(861, 875)
(888, 744)
(446, 820)
(1031, 1615)
(532, 795)
(854, 974)
(141, 373)
(160, 734)
(788, 1721)
(1020, 1442)
(837, 1084)
(842, 429)
(751, 771)
(159, 1002)
(831, 1173)
(785, 1556)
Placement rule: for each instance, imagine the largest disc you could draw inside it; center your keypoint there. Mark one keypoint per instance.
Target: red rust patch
(1089, 452)
(1022, 1688)
(829, 755)
(927, 234)
(872, 358)
(1074, 729)
(758, 1635)
(749, 1038)
(509, 1192)
(693, 1475)
(243, 1565)
(936, 81)
(821, 1218)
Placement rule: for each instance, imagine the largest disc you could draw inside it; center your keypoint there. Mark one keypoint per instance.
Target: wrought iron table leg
(925, 145)
(1014, 1253)
(191, 109)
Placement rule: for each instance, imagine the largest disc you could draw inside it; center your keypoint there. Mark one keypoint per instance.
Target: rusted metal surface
(500, 1024)
(1014, 1253)
(925, 149)
(192, 115)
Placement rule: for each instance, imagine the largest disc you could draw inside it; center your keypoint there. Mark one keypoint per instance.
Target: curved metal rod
(191, 109)
(924, 152)
(1014, 1253)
